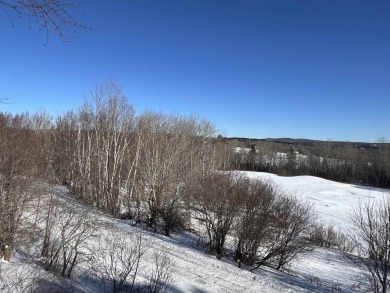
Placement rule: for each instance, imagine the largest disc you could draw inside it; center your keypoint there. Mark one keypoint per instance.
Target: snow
(332, 200)
(323, 270)
(327, 268)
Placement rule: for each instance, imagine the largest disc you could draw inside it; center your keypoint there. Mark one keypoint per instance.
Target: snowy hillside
(332, 200)
(194, 271)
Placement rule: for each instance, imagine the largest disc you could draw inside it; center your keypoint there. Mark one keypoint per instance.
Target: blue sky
(301, 69)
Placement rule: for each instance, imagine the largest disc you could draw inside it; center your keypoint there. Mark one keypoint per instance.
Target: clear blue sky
(302, 69)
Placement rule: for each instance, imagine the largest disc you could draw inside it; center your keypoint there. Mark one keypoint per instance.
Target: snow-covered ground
(332, 200)
(322, 270)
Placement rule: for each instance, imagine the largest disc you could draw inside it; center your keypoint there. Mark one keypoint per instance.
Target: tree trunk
(7, 252)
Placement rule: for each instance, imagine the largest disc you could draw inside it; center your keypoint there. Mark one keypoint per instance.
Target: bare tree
(51, 16)
(125, 164)
(63, 146)
(330, 237)
(104, 137)
(20, 165)
(161, 276)
(216, 202)
(50, 209)
(271, 227)
(291, 223)
(253, 225)
(66, 234)
(93, 149)
(22, 278)
(381, 164)
(371, 220)
(172, 151)
(116, 262)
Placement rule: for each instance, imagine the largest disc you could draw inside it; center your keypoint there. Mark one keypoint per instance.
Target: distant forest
(349, 162)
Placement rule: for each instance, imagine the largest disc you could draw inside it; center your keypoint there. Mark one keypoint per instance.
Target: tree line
(163, 171)
(342, 163)
(132, 166)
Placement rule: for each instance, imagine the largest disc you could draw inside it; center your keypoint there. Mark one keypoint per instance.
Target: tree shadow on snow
(292, 281)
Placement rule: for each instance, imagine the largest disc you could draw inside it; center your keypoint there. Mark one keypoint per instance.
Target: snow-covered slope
(332, 200)
(194, 271)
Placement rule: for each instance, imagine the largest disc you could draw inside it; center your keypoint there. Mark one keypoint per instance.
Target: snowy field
(194, 271)
(332, 200)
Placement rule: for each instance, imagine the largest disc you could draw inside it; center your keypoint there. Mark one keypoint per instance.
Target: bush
(329, 237)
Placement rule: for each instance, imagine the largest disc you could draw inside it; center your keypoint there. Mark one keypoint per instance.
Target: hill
(302, 142)
(193, 270)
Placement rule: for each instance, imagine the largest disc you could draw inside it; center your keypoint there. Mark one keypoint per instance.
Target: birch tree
(105, 135)
(94, 148)
(173, 149)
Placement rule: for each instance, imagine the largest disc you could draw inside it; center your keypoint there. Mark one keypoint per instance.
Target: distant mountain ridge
(307, 142)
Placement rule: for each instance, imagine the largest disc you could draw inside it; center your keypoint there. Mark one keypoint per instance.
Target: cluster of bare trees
(116, 264)
(24, 278)
(330, 237)
(343, 163)
(164, 171)
(128, 164)
(349, 164)
(91, 149)
(270, 227)
(66, 229)
(27, 218)
(153, 168)
(22, 162)
(216, 200)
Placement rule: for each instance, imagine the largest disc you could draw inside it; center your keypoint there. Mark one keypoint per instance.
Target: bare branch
(52, 16)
